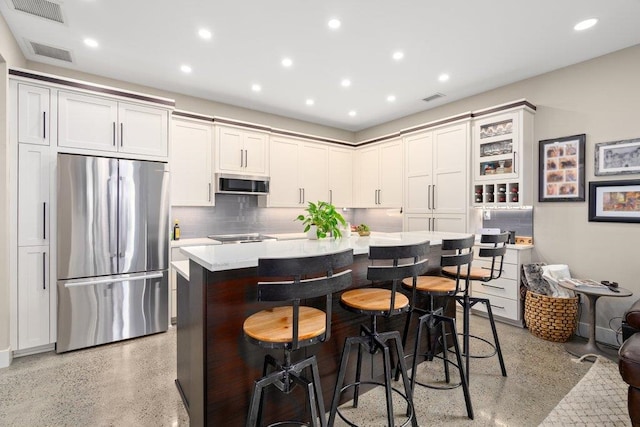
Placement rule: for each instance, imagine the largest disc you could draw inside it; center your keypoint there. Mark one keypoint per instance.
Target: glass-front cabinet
(502, 155)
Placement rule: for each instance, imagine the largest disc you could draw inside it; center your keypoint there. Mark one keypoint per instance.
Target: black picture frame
(617, 157)
(561, 169)
(614, 201)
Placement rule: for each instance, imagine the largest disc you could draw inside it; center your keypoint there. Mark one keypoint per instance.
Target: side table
(593, 294)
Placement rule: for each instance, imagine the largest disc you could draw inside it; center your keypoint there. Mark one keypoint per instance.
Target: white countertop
(194, 242)
(182, 268)
(230, 257)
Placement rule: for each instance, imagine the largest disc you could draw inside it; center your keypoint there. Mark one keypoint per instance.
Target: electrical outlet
(486, 214)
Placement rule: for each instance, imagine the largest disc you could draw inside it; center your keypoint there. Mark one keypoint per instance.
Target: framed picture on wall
(561, 169)
(614, 201)
(617, 157)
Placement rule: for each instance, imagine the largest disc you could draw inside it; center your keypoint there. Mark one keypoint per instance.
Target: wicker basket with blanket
(547, 317)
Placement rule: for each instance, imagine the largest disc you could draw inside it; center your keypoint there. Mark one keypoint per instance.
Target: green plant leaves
(325, 217)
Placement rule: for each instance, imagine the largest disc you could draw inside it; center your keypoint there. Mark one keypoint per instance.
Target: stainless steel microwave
(241, 184)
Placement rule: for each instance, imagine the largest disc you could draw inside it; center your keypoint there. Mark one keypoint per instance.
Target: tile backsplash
(241, 214)
(518, 220)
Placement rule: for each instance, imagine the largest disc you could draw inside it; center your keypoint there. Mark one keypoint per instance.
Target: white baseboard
(603, 335)
(6, 356)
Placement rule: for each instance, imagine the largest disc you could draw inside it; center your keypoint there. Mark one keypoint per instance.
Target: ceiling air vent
(433, 97)
(42, 8)
(51, 52)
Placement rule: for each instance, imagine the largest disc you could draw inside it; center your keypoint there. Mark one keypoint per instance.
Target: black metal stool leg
(356, 388)
(318, 388)
(405, 378)
(340, 380)
(416, 347)
(387, 382)
(405, 334)
(256, 397)
(445, 351)
(495, 337)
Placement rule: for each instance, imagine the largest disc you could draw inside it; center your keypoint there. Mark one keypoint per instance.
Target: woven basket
(550, 318)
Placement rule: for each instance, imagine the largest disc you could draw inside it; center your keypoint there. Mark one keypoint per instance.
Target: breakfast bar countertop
(230, 257)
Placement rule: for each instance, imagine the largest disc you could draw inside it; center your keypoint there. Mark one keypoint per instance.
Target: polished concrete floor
(131, 383)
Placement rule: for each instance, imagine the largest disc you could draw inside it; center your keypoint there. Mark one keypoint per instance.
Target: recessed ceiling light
(287, 62)
(91, 42)
(398, 55)
(443, 77)
(352, 113)
(185, 68)
(309, 101)
(587, 23)
(256, 87)
(334, 24)
(345, 82)
(391, 98)
(204, 33)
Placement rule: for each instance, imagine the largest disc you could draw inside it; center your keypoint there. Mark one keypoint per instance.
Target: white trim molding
(6, 356)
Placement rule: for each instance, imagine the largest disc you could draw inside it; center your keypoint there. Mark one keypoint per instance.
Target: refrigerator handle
(108, 280)
(113, 250)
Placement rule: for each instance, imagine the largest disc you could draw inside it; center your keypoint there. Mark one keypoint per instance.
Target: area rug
(599, 399)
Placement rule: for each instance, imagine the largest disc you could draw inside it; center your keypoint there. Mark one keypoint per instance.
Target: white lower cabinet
(503, 293)
(33, 297)
(453, 223)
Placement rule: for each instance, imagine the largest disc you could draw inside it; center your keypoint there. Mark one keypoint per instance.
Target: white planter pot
(312, 233)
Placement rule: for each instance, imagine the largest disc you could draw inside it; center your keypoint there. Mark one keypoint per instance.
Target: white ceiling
(480, 44)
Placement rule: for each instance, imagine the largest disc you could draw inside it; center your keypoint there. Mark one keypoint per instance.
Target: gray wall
(599, 98)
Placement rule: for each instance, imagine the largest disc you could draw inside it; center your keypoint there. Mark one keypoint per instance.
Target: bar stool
(496, 248)
(437, 286)
(294, 326)
(376, 302)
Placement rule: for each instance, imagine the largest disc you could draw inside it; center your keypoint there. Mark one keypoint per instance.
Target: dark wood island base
(217, 367)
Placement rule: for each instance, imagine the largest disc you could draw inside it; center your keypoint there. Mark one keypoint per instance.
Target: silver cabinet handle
(300, 195)
(429, 196)
(433, 198)
(44, 270)
(497, 306)
(492, 286)
(209, 192)
(121, 134)
(303, 195)
(44, 125)
(515, 155)
(379, 197)
(246, 158)
(331, 196)
(44, 220)
(241, 158)
(434, 225)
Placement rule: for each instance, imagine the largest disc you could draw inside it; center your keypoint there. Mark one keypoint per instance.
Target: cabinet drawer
(503, 307)
(504, 288)
(509, 271)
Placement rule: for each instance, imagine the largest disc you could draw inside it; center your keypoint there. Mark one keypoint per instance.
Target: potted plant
(363, 230)
(326, 219)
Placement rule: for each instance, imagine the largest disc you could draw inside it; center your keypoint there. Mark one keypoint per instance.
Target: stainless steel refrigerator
(112, 249)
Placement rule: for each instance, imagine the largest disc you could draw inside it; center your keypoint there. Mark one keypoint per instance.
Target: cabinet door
(33, 297)
(87, 122)
(391, 175)
(314, 172)
(453, 223)
(417, 222)
(450, 166)
(230, 153)
(366, 177)
(341, 177)
(255, 154)
(284, 188)
(191, 160)
(33, 195)
(497, 147)
(33, 114)
(418, 160)
(143, 130)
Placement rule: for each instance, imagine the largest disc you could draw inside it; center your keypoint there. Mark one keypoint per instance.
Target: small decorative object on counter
(363, 230)
(176, 231)
(325, 218)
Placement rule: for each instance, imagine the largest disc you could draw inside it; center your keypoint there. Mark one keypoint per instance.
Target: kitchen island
(216, 366)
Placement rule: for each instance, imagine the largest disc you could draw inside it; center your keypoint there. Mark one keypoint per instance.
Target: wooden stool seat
(373, 299)
(276, 324)
(434, 284)
(476, 273)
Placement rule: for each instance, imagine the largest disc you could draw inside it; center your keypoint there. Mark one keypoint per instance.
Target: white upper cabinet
(503, 158)
(95, 123)
(378, 175)
(241, 151)
(34, 227)
(191, 163)
(341, 177)
(437, 177)
(299, 172)
(33, 114)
